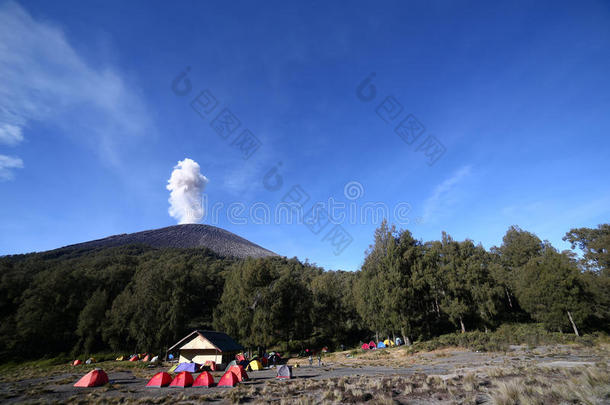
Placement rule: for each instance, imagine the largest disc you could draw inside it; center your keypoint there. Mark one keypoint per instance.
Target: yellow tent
(120, 358)
(389, 343)
(254, 365)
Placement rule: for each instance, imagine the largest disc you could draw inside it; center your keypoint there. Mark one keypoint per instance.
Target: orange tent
(76, 362)
(240, 357)
(239, 372)
(134, 358)
(146, 358)
(161, 379)
(204, 379)
(229, 379)
(183, 379)
(93, 378)
(211, 364)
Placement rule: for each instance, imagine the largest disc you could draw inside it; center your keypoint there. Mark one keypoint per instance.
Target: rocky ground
(542, 375)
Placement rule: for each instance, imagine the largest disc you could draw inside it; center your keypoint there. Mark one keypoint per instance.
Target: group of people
(319, 359)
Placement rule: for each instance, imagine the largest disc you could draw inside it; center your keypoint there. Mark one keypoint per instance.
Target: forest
(140, 299)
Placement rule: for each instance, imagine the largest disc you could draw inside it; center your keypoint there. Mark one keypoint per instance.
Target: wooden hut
(200, 346)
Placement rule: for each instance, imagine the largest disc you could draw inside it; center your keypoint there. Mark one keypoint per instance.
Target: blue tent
(190, 367)
(381, 345)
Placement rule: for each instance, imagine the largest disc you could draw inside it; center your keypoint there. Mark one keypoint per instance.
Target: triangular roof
(219, 340)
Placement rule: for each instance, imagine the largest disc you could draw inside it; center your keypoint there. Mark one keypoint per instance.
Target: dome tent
(229, 379)
(161, 379)
(284, 371)
(93, 378)
(205, 379)
(190, 367)
(182, 380)
(240, 372)
(254, 365)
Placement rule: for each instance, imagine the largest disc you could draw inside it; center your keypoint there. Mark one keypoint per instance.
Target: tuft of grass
(470, 382)
(508, 393)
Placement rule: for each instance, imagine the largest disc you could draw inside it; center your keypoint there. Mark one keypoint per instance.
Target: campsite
(569, 373)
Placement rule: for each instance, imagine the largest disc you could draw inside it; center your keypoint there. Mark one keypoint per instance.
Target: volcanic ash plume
(186, 185)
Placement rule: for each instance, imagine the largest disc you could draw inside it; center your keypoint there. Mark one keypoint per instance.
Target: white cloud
(444, 195)
(45, 79)
(6, 164)
(10, 134)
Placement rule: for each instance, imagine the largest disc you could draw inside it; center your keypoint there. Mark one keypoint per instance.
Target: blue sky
(517, 94)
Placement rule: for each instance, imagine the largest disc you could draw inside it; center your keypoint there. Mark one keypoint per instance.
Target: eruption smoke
(186, 185)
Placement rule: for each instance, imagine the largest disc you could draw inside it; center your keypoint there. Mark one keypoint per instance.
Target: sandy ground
(130, 384)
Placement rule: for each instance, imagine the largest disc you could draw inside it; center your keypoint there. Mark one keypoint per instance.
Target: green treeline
(137, 299)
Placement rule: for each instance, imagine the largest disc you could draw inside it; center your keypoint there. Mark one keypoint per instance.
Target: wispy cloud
(444, 194)
(7, 163)
(45, 79)
(10, 134)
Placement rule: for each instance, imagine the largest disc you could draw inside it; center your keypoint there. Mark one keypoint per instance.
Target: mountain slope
(216, 239)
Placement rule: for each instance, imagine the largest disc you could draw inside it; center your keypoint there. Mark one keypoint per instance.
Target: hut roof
(219, 340)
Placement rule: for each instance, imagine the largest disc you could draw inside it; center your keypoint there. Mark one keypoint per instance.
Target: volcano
(220, 241)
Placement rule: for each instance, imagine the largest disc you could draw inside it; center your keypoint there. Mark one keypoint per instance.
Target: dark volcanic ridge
(185, 236)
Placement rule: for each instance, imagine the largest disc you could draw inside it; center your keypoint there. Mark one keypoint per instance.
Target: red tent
(211, 364)
(240, 357)
(146, 358)
(93, 378)
(372, 345)
(365, 346)
(205, 379)
(240, 372)
(229, 379)
(183, 379)
(134, 358)
(76, 362)
(161, 379)
(265, 361)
